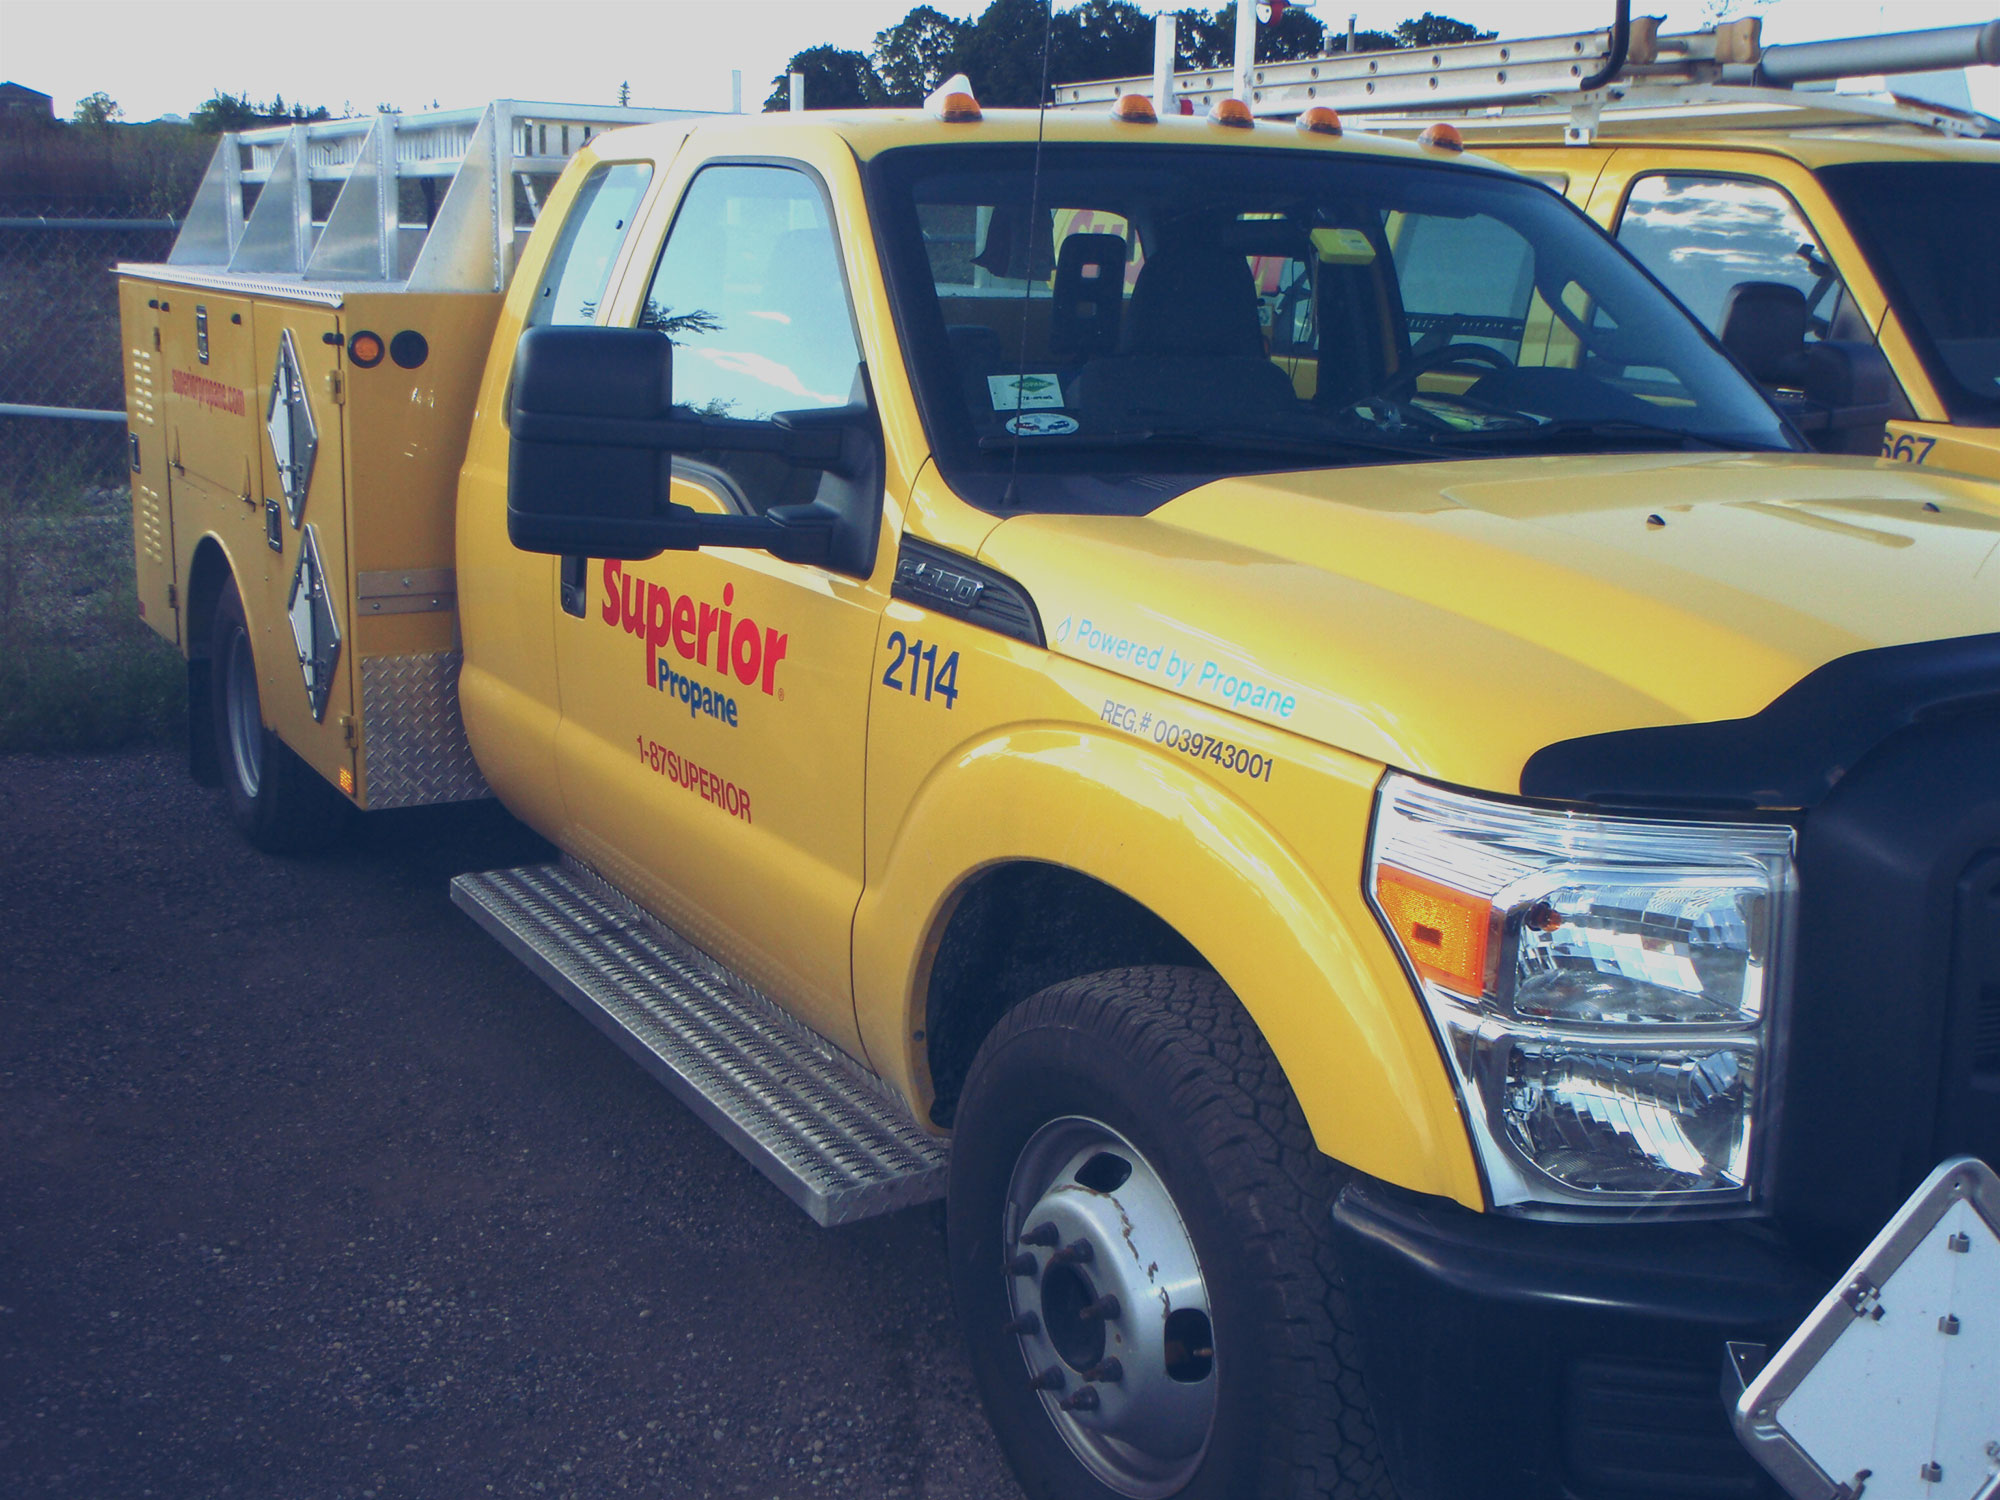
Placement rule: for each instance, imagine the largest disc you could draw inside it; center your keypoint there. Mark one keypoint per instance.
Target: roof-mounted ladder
(1582, 71)
(254, 212)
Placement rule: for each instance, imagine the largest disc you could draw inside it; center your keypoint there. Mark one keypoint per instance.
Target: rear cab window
(572, 284)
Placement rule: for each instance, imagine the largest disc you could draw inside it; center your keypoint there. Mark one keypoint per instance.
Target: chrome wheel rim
(244, 723)
(1109, 1307)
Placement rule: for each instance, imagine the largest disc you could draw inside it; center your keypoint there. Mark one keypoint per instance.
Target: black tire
(1168, 1060)
(278, 802)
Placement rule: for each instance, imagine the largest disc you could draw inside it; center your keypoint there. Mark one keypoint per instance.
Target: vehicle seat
(1089, 297)
(1192, 345)
(1764, 326)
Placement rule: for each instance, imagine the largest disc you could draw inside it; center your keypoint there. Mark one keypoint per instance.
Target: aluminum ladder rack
(477, 174)
(1723, 65)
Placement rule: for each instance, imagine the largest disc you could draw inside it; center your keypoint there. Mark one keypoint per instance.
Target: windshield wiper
(1620, 429)
(1248, 438)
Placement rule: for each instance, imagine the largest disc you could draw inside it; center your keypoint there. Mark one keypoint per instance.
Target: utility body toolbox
(301, 375)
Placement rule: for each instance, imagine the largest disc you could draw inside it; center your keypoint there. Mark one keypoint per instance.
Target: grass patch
(78, 669)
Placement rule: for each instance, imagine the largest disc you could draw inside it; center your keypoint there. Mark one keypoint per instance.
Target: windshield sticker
(1042, 424)
(1021, 392)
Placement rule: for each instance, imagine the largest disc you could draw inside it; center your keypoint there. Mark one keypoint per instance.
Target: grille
(1986, 1033)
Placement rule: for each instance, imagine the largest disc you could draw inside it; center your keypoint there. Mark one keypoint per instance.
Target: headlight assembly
(1603, 987)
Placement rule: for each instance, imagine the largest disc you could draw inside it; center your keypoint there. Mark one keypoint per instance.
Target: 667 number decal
(1907, 447)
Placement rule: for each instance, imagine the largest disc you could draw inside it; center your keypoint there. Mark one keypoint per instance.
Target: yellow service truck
(1402, 914)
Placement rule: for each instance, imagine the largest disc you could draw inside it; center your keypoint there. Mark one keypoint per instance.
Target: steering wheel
(1404, 385)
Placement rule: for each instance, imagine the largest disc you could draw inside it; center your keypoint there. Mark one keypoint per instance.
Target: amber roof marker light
(1442, 137)
(1319, 120)
(1134, 109)
(1232, 112)
(953, 103)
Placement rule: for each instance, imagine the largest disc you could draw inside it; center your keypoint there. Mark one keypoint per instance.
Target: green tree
(97, 109)
(1002, 54)
(836, 78)
(1100, 39)
(914, 56)
(1429, 30)
(624, 95)
(226, 111)
(1208, 39)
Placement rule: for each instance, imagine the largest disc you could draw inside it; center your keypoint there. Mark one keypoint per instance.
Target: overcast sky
(165, 56)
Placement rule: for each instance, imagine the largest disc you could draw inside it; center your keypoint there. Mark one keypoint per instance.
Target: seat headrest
(1194, 297)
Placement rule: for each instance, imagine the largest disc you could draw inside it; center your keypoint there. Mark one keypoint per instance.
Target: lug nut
(1078, 1252)
(1083, 1400)
(1106, 1370)
(1026, 1326)
(1024, 1264)
(1043, 1234)
(1104, 1307)
(1051, 1379)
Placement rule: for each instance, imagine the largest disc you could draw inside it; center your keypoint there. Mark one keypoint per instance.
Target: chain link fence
(77, 668)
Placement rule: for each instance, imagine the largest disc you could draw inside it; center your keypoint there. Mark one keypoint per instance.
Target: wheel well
(206, 575)
(1016, 930)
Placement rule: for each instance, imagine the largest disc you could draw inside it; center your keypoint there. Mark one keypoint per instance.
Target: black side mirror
(593, 434)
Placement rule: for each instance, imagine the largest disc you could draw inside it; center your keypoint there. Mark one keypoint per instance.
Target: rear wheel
(278, 802)
(1141, 1253)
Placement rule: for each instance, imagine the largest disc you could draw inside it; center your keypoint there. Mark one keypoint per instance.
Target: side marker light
(1231, 112)
(1443, 930)
(1319, 120)
(1442, 137)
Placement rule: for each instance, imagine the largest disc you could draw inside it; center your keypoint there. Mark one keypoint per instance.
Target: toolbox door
(301, 622)
(152, 516)
(212, 399)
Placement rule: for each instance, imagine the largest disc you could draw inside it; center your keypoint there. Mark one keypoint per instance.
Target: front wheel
(278, 802)
(1140, 1241)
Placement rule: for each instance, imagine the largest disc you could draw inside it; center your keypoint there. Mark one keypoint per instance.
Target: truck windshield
(1130, 321)
(1929, 230)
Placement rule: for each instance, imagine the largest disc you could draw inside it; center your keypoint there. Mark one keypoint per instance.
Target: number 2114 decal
(928, 678)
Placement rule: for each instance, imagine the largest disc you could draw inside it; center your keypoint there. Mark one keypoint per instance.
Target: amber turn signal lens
(1134, 109)
(1442, 137)
(1319, 120)
(1232, 112)
(1443, 931)
(365, 349)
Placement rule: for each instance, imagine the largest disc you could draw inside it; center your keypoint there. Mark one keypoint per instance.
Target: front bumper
(1509, 1359)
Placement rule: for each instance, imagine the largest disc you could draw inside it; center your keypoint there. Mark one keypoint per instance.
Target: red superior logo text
(205, 392)
(658, 617)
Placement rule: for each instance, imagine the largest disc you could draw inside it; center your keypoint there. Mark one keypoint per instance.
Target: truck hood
(1451, 619)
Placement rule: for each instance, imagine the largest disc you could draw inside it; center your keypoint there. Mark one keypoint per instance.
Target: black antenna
(1010, 496)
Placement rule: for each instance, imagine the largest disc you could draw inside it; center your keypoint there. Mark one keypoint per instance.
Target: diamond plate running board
(816, 1123)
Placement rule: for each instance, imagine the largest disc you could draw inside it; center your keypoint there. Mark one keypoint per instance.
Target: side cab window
(572, 283)
(750, 288)
(1741, 257)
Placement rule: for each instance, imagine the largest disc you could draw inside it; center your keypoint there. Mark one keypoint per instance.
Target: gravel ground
(308, 1190)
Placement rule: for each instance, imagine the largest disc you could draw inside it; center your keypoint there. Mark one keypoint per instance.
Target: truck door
(714, 703)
